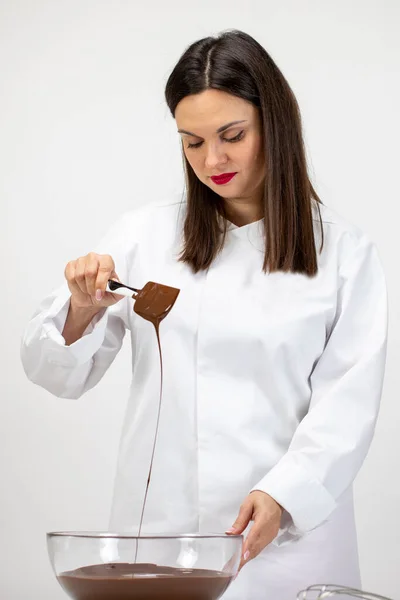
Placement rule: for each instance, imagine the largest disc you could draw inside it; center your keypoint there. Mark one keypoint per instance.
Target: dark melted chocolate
(125, 581)
(154, 302)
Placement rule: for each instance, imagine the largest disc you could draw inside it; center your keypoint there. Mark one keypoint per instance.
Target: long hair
(237, 64)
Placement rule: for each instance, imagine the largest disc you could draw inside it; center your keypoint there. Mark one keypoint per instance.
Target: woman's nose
(215, 156)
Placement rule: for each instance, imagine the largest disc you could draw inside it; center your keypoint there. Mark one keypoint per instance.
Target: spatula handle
(116, 287)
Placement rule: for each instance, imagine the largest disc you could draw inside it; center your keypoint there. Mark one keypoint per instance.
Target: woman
(273, 354)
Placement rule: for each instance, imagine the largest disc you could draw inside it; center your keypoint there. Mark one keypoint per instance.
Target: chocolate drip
(153, 303)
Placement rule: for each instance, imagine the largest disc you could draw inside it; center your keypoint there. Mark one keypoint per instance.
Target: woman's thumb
(243, 519)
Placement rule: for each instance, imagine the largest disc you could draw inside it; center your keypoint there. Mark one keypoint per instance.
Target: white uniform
(271, 382)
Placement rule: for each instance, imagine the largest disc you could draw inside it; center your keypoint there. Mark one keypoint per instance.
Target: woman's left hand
(266, 514)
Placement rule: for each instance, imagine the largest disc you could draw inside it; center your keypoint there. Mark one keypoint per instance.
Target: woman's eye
(195, 145)
(237, 138)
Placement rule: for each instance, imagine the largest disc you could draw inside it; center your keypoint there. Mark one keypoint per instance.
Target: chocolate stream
(153, 303)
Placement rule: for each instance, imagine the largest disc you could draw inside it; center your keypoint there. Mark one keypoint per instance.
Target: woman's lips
(221, 179)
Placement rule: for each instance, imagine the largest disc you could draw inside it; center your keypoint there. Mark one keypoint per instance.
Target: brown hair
(235, 63)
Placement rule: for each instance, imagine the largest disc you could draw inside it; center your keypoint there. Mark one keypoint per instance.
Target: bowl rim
(160, 536)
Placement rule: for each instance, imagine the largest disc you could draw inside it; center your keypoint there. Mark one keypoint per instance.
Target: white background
(85, 135)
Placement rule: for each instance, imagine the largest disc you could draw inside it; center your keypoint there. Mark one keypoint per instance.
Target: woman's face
(237, 149)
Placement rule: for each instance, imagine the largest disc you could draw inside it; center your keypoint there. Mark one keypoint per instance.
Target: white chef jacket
(271, 382)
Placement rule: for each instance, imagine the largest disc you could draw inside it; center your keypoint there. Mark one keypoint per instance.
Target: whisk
(322, 592)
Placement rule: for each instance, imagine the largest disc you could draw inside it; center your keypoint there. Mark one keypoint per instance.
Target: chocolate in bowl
(186, 566)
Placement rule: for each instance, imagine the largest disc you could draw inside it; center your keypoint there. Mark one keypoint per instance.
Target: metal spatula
(153, 302)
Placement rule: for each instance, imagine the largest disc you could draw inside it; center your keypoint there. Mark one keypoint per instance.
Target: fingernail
(246, 555)
(99, 295)
(231, 530)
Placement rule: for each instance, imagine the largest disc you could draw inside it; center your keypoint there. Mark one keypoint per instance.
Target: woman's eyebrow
(220, 130)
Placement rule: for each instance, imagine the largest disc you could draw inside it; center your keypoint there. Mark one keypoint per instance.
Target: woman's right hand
(87, 279)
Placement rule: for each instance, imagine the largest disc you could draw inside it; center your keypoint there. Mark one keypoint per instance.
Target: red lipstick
(224, 178)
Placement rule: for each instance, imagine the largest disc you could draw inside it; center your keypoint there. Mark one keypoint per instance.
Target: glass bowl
(116, 566)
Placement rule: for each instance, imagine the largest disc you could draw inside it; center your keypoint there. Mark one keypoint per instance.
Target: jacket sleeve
(69, 371)
(332, 441)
